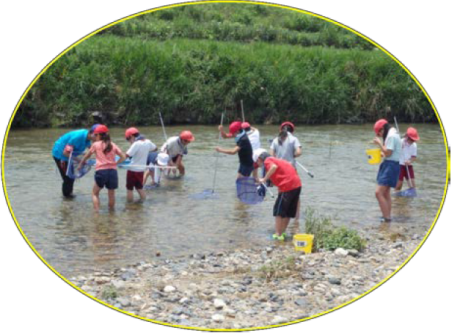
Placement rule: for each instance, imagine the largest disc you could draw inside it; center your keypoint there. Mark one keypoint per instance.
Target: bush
(329, 237)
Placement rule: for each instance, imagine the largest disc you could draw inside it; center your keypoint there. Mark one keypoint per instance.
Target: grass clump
(109, 292)
(278, 269)
(329, 237)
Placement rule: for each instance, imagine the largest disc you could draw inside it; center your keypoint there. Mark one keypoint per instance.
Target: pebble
(169, 289)
(219, 304)
(341, 252)
(218, 318)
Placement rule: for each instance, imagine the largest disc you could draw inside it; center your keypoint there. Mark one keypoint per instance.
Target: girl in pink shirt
(106, 166)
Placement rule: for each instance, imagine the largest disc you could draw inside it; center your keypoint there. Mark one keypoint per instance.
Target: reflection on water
(174, 221)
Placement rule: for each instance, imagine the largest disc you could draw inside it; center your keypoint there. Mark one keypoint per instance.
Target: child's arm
(228, 151)
(386, 152)
(270, 172)
(84, 159)
(122, 157)
(223, 134)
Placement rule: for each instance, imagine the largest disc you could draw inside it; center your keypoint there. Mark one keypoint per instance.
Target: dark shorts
(286, 203)
(152, 157)
(134, 180)
(245, 170)
(107, 178)
(403, 172)
(174, 159)
(388, 174)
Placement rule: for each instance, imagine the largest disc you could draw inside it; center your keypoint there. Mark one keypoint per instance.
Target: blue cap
(93, 128)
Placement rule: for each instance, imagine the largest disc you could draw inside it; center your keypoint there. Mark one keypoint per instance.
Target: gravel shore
(250, 288)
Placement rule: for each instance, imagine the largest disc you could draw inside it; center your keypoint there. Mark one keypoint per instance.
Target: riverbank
(253, 287)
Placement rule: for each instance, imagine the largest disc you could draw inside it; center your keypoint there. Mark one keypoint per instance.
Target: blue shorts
(106, 178)
(388, 173)
(245, 170)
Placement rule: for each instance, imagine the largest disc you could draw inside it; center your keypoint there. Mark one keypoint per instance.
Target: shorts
(134, 179)
(174, 159)
(107, 178)
(388, 173)
(403, 172)
(286, 203)
(246, 170)
(152, 158)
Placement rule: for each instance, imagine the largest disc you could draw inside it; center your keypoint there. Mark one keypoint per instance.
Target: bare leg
(180, 166)
(284, 223)
(399, 185)
(142, 194)
(111, 199)
(279, 225)
(412, 180)
(129, 196)
(96, 201)
(381, 193)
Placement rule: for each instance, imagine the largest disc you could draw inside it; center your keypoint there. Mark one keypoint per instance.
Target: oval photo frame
(242, 3)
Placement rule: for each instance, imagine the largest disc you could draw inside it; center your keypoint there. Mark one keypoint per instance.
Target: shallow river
(74, 240)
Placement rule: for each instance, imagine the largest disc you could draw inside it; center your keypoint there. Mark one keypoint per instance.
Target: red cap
(235, 127)
(412, 133)
(245, 125)
(379, 125)
(287, 123)
(101, 129)
(131, 131)
(187, 136)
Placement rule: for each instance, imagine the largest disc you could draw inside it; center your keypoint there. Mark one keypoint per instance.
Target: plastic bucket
(303, 242)
(374, 156)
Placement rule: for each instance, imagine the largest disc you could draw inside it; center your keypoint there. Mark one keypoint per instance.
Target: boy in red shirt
(283, 175)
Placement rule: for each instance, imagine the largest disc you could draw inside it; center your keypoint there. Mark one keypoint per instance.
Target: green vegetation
(193, 62)
(109, 292)
(330, 237)
(278, 269)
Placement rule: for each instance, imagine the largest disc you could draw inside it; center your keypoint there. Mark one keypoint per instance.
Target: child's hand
(80, 165)
(262, 180)
(218, 149)
(220, 127)
(377, 141)
(408, 163)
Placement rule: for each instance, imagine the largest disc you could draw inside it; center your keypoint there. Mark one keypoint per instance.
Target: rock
(218, 318)
(301, 302)
(353, 253)
(278, 320)
(184, 300)
(118, 284)
(169, 289)
(341, 252)
(219, 304)
(334, 280)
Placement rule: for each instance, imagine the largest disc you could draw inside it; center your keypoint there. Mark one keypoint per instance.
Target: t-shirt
(285, 177)
(245, 152)
(254, 138)
(105, 161)
(139, 152)
(407, 151)
(77, 139)
(393, 142)
(287, 149)
(173, 147)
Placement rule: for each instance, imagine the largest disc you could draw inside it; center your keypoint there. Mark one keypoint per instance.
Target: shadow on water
(180, 217)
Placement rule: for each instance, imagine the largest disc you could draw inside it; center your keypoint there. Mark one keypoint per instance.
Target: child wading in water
(389, 169)
(176, 148)
(408, 156)
(285, 177)
(106, 167)
(243, 148)
(139, 152)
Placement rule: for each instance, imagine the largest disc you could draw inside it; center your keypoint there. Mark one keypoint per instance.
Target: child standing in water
(389, 169)
(408, 156)
(139, 152)
(243, 148)
(106, 167)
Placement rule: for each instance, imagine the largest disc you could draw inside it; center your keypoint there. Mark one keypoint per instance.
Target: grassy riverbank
(193, 62)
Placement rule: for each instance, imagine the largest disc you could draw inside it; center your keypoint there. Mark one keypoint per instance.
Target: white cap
(257, 153)
(162, 159)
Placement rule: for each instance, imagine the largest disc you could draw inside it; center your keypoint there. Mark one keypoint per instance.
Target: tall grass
(189, 81)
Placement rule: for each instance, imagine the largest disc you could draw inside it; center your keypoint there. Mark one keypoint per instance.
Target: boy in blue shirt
(75, 143)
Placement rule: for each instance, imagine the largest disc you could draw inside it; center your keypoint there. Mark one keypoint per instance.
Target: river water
(171, 222)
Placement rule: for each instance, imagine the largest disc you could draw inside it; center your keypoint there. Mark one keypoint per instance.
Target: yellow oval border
(448, 159)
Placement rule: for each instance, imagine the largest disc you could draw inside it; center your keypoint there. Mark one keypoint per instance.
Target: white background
(422, 297)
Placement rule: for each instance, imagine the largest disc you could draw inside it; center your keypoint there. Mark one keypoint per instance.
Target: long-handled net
(249, 192)
(72, 167)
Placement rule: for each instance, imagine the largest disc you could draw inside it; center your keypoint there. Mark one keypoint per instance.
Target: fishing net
(409, 193)
(73, 172)
(248, 191)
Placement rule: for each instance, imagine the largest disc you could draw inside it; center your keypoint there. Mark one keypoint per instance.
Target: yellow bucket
(374, 155)
(303, 242)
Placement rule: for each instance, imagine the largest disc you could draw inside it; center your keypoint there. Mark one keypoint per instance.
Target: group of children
(399, 154)
(143, 154)
(278, 165)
